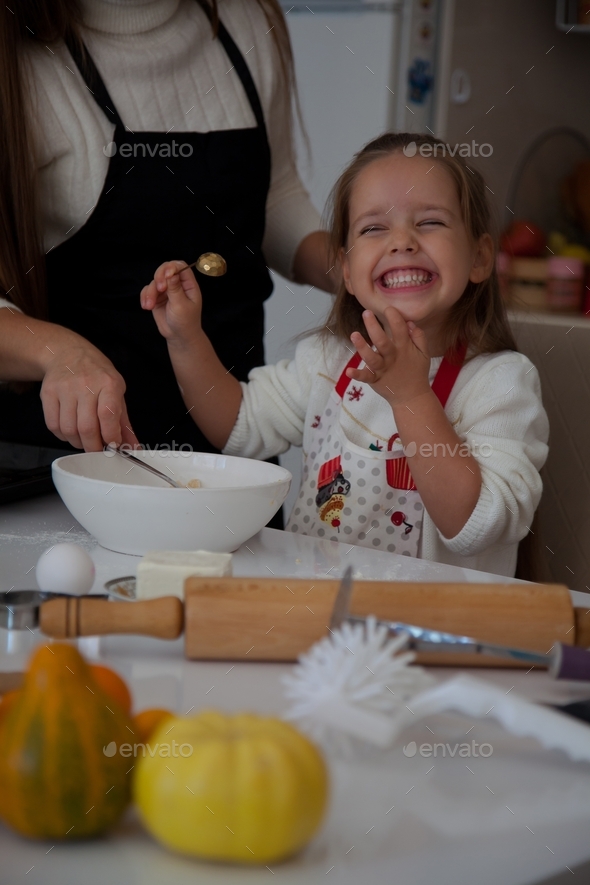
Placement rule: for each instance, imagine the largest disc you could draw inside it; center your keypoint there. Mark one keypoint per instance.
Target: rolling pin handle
(570, 662)
(68, 617)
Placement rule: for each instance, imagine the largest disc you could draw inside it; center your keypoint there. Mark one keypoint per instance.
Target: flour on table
(83, 539)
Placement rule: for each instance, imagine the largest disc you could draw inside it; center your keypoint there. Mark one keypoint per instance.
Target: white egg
(65, 568)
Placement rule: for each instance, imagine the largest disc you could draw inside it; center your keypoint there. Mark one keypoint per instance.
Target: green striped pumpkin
(55, 780)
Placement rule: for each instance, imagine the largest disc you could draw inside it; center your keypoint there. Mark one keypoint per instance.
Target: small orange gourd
(146, 722)
(55, 780)
(112, 684)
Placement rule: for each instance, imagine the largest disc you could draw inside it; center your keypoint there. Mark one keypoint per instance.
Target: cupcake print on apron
(359, 495)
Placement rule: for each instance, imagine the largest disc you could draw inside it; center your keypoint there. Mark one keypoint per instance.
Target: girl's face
(408, 245)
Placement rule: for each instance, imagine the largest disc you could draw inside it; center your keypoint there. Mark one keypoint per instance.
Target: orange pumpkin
(55, 780)
(6, 702)
(112, 684)
(146, 722)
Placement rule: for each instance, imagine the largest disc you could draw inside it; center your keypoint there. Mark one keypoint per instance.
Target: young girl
(422, 428)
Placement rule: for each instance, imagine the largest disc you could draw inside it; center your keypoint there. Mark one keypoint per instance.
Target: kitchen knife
(563, 661)
(342, 602)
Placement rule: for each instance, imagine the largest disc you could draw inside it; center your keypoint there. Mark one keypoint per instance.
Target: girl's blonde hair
(478, 318)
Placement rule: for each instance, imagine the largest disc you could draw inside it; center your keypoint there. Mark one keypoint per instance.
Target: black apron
(166, 195)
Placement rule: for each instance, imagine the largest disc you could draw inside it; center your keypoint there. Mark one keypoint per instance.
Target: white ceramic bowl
(130, 511)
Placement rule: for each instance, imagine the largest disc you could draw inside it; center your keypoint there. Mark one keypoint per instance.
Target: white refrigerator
(361, 68)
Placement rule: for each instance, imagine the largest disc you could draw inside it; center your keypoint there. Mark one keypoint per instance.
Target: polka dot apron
(358, 495)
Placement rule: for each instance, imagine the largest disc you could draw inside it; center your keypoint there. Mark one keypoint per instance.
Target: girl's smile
(408, 246)
(403, 279)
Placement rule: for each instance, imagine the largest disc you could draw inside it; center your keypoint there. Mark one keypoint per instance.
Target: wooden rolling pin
(69, 616)
(277, 619)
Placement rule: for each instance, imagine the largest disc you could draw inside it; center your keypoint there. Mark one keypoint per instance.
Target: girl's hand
(175, 300)
(83, 399)
(398, 368)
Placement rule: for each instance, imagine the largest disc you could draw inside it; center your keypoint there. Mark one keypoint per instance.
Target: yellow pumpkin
(234, 788)
(55, 780)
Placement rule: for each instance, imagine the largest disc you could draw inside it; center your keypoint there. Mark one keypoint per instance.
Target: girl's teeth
(416, 278)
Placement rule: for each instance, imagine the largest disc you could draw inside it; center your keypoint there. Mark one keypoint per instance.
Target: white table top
(515, 817)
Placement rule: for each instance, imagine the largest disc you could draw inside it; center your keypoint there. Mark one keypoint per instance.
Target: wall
(497, 42)
(520, 85)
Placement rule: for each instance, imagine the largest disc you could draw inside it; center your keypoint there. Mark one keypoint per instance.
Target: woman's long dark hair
(22, 263)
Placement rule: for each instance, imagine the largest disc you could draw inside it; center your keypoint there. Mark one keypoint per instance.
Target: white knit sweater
(496, 401)
(165, 73)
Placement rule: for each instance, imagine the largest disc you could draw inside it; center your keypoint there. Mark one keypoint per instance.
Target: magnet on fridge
(460, 86)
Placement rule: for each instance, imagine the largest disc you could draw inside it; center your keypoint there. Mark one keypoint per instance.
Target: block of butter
(163, 572)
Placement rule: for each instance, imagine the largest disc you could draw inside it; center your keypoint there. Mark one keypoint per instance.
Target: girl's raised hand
(175, 300)
(398, 366)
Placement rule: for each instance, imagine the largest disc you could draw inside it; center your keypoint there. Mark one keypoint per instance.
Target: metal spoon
(211, 264)
(125, 454)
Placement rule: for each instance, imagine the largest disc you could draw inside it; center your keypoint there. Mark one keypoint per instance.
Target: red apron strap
(443, 382)
(344, 380)
(447, 375)
(398, 471)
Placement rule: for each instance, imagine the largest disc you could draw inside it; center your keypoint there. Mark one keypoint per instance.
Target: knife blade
(563, 661)
(342, 601)
(425, 639)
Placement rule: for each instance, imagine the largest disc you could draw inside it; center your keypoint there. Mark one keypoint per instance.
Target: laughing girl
(422, 427)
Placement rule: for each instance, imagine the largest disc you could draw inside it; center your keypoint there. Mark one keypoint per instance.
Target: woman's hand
(398, 368)
(83, 399)
(175, 300)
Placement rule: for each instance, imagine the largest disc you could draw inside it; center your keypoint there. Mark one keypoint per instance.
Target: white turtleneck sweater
(164, 73)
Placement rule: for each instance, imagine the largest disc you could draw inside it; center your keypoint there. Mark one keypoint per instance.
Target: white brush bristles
(354, 683)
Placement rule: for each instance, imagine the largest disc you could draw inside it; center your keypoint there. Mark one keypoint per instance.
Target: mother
(132, 130)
